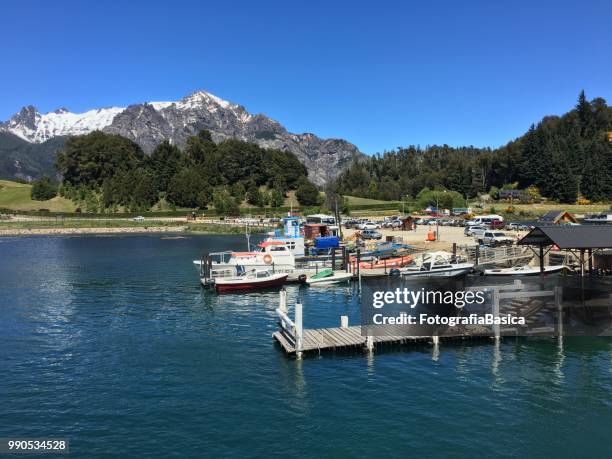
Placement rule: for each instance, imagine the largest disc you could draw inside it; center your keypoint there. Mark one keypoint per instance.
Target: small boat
(523, 271)
(389, 263)
(436, 264)
(249, 281)
(327, 276)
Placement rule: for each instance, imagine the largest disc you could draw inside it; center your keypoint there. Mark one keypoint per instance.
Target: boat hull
(453, 272)
(524, 272)
(336, 278)
(223, 285)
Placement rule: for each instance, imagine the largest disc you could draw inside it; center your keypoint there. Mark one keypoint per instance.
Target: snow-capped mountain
(150, 123)
(30, 125)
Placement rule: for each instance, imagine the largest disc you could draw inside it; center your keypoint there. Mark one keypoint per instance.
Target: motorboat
(523, 271)
(436, 264)
(271, 255)
(258, 279)
(327, 277)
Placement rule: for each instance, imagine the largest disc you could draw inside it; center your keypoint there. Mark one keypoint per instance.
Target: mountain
(20, 159)
(148, 124)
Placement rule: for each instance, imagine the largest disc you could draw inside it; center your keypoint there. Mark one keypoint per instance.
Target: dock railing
(517, 290)
(293, 330)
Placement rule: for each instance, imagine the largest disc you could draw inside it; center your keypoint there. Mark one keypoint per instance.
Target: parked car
(496, 238)
(140, 218)
(433, 221)
(371, 234)
(496, 224)
(478, 234)
(369, 226)
(516, 227)
(469, 230)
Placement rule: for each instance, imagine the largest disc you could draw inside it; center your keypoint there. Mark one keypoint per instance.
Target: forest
(564, 158)
(109, 172)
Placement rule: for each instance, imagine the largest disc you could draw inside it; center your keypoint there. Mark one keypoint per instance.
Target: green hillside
(16, 196)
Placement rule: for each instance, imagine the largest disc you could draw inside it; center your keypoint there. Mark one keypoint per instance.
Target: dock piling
(298, 329)
(344, 322)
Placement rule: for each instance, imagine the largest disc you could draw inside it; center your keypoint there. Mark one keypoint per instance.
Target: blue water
(111, 343)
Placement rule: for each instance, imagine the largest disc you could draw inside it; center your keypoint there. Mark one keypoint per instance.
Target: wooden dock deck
(320, 339)
(295, 340)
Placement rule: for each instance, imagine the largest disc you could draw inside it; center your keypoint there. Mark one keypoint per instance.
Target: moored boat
(387, 263)
(327, 277)
(436, 264)
(250, 281)
(523, 271)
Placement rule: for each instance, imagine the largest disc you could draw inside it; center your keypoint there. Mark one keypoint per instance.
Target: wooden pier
(295, 340)
(321, 339)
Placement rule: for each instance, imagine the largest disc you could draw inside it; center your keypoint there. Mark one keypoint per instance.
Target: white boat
(272, 255)
(249, 281)
(327, 277)
(523, 271)
(436, 264)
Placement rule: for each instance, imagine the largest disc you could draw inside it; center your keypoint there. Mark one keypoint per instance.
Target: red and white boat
(250, 281)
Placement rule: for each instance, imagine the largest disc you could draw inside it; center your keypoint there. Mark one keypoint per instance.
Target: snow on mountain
(30, 125)
(151, 123)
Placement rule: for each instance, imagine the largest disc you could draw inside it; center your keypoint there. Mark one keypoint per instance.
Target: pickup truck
(494, 238)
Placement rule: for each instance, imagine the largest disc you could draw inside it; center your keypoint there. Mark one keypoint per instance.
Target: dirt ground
(418, 238)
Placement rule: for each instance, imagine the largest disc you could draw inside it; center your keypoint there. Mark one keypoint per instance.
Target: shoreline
(12, 232)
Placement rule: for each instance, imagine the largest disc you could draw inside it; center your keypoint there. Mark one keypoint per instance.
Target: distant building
(555, 217)
(510, 194)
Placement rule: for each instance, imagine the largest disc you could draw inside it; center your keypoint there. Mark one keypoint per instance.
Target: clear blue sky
(380, 74)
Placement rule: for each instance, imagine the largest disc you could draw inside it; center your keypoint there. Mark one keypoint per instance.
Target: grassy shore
(115, 226)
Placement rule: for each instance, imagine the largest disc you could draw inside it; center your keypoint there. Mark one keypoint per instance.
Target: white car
(369, 226)
(140, 218)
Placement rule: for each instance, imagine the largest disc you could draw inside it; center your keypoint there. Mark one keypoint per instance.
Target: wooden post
(541, 257)
(477, 255)
(298, 329)
(495, 311)
(358, 270)
(454, 249)
(581, 262)
(369, 343)
(558, 303)
(282, 304)
(590, 261)
(333, 259)
(344, 323)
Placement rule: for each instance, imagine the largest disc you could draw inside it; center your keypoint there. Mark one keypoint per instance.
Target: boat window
(277, 249)
(440, 260)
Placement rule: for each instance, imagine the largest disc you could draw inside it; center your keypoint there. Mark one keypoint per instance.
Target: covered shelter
(580, 240)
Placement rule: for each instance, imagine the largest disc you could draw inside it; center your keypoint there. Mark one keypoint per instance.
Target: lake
(112, 343)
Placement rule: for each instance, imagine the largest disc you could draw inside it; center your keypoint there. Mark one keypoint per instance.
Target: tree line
(563, 157)
(107, 171)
